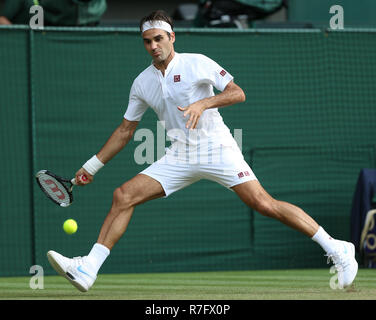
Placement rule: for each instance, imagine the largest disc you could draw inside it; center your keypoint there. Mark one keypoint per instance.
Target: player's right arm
(115, 143)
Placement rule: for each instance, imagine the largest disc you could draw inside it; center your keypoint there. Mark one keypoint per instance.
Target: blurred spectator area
(128, 13)
(121, 12)
(295, 13)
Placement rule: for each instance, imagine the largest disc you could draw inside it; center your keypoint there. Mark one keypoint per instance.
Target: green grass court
(304, 284)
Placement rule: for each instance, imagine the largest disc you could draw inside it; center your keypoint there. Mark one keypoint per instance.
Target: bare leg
(254, 195)
(132, 193)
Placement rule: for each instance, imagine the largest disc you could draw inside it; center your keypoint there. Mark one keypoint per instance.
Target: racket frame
(63, 182)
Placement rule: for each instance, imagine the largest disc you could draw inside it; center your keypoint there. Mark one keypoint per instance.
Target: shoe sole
(357, 266)
(61, 272)
(352, 249)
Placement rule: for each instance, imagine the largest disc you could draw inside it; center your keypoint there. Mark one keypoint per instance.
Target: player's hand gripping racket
(58, 189)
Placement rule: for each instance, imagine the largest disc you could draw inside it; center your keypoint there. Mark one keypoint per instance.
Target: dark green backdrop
(308, 128)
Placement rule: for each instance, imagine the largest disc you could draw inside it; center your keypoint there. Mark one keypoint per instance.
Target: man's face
(158, 44)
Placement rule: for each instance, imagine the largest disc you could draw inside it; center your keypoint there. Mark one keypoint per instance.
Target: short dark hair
(157, 15)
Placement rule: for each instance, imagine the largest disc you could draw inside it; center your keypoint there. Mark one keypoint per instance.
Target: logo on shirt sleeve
(223, 73)
(177, 78)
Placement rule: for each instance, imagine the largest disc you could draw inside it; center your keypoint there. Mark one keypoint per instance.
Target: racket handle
(82, 177)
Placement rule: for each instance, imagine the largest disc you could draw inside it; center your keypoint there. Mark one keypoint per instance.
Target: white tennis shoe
(344, 261)
(74, 270)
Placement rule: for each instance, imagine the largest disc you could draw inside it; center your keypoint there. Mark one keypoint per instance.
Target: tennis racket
(56, 188)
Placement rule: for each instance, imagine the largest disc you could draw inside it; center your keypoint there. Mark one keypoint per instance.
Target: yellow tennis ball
(70, 226)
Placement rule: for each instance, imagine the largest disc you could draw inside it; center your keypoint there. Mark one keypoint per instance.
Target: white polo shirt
(188, 78)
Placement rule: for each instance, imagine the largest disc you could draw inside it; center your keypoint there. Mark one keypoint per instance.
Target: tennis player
(179, 88)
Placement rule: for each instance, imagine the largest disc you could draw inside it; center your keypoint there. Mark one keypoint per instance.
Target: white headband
(159, 24)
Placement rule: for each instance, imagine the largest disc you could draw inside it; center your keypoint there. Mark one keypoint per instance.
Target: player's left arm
(232, 94)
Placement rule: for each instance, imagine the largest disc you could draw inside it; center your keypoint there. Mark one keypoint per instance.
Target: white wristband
(93, 165)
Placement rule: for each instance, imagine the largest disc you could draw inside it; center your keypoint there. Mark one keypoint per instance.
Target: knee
(122, 198)
(266, 206)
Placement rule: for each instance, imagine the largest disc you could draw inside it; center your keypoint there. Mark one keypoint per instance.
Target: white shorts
(225, 165)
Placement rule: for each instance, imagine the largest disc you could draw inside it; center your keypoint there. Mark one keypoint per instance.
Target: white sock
(97, 256)
(324, 240)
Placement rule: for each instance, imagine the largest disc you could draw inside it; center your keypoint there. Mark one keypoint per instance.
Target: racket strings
(54, 188)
